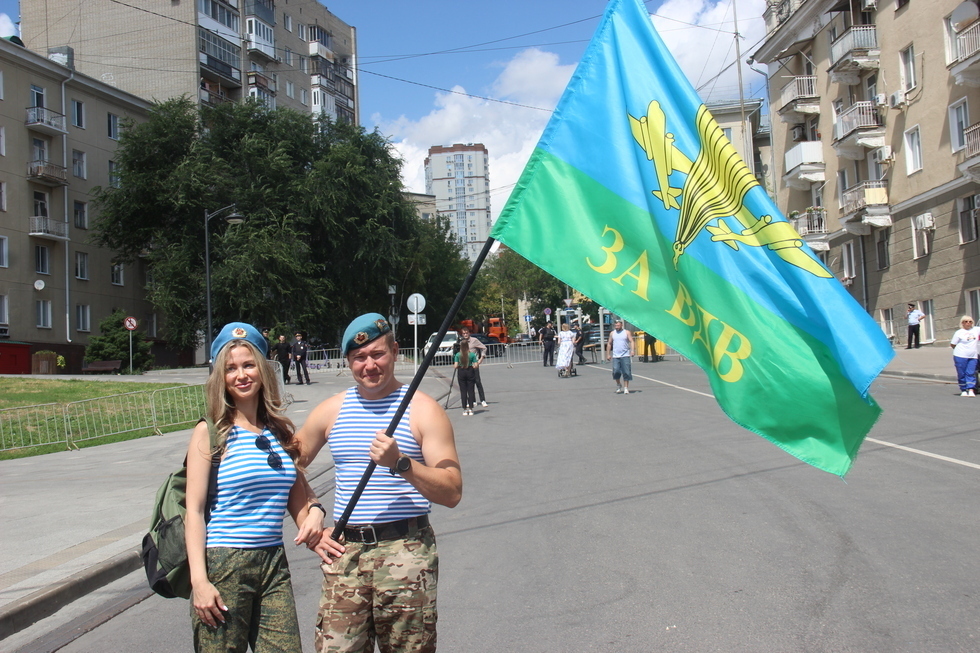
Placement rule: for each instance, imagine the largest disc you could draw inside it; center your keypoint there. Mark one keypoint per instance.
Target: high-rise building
(291, 53)
(58, 134)
(459, 177)
(879, 156)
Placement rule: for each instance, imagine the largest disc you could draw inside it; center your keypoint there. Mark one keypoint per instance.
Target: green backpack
(164, 551)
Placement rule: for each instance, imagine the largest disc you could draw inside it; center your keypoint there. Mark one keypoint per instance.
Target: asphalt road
(599, 522)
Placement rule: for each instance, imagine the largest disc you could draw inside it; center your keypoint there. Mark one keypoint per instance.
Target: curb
(945, 378)
(30, 609)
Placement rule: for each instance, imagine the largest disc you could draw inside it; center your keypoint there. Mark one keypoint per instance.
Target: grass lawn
(45, 425)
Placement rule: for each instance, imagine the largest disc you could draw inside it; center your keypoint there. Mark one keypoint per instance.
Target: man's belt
(393, 530)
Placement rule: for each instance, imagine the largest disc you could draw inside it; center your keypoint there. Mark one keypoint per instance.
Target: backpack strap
(213, 438)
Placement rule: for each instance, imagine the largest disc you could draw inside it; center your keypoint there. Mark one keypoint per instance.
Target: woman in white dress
(566, 347)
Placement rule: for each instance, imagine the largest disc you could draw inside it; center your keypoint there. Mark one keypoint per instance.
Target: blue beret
(363, 330)
(239, 331)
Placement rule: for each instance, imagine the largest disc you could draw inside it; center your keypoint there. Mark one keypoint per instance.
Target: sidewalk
(74, 520)
(928, 362)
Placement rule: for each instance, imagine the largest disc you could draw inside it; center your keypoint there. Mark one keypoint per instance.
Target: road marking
(924, 453)
(678, 387)
(874, 440)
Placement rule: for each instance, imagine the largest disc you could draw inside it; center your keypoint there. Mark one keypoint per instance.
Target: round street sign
(547, 311)
(130, 323)
(416, 302)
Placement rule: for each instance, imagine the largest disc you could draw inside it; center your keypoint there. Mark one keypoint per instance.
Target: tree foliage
(113, 344)
(327, 226)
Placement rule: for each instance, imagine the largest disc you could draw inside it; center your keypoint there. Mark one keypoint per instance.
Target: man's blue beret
(364, 329)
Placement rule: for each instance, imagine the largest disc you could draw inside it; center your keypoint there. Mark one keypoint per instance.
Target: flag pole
(341, 523)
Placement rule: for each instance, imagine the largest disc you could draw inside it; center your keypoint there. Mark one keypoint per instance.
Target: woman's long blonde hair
(221, 408)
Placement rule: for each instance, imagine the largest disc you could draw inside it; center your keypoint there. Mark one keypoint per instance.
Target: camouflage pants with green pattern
(255, 585)
(384, 591)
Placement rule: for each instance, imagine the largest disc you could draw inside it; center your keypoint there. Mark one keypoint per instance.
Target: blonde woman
(566, 347)
(241, 590)
(964, 344)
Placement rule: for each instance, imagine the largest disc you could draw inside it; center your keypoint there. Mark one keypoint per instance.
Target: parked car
(521, 340)
(494, 348)
(444, 354)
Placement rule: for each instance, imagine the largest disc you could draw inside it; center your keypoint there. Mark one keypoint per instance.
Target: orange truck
(498, 330)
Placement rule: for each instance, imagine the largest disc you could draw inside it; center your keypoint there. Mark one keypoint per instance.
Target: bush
(113, 344)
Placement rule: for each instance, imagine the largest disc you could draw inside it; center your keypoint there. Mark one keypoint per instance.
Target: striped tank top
(386, 498)
(251, 496)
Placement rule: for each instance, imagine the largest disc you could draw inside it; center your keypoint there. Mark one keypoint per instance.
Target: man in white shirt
(915, 318)
(619, 350)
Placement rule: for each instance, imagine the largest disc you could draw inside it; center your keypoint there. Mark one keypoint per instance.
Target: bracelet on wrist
(320, 506)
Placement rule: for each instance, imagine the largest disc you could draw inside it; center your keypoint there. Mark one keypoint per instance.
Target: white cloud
(7, 26)
(536, 78)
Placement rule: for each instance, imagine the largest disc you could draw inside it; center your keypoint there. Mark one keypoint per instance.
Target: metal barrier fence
(89, 419)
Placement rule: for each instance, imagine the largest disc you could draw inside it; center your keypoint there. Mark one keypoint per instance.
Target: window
(113, 124)
(968, 220)
(973, 302)
(39, 147)
(908, 68)
(78, 113)
(900, 3)
(42, 260)
(888, 321)
(3, 196)
(151, 325)
(301, 31)
(290, 89)
(78, 164)
(959, 120)
(117, 274)
(882, 239)
(921, 238)
(847, 256)
(42, 309)
(113, 174)
(287, 56)
(303, 96)
(1, 84)
(81, 265)
(83, 317)
(841, 185)
(81, 215)
(928, 329)
(217, 48)
(304, 64)
(913, 151)
(4, 310)
(37, 96)
(287, 22)
(3, 141)
(952, 48)
(219, 12)
(3, 252)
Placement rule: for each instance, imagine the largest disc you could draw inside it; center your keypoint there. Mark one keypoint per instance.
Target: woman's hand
(208, 605)
(311, 530)
(328, 548)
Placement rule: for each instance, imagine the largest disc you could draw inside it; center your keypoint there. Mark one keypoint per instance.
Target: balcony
(47, 173)
(865, 205)
(45, 120)
(812, 225)
(799, 99)
(804, 165)
(970, 166)
(264, 10)
(318, 49)
(44, 227)
(255, 45)
(858, 129)
(323, 81)
(856, 50)
(262, 81)
(212, 94)
(965, 68)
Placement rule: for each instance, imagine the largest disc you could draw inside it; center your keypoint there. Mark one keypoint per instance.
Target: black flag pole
(341, 523)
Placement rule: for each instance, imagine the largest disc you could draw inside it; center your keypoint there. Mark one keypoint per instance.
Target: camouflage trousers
(255, 585)
(384, 592)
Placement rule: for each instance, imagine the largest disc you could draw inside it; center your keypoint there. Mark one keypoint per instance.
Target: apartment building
(747, 128)
(288, 53)
(459, 177)
(879, 157)
(58, 135)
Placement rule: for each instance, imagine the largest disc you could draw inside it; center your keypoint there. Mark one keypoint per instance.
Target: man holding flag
(662, 223)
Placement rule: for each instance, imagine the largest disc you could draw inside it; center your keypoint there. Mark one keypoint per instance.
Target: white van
(444, 355)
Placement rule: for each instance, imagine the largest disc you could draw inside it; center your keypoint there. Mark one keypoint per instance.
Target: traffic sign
(131, 323)
(416, 303)
(568, 302)
(528, 318)
(547, 311)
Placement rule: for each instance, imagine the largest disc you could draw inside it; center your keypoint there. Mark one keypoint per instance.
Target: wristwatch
(403, 464)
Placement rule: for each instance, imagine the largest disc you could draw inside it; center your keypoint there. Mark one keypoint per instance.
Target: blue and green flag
(635, 197)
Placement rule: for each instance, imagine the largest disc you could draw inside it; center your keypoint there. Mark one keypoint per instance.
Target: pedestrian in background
(480, 350)
(964, 344)
(268, 343)
(465, 362)
(619, 350)
(282, 351)
(242, 595)
(915, 319)
(579, 342)
(566, 348)
(546, 336)
(300, 349)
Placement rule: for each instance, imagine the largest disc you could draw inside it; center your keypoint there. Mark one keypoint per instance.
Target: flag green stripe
(791, 391)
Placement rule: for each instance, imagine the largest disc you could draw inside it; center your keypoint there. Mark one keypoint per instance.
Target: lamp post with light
(232, 218)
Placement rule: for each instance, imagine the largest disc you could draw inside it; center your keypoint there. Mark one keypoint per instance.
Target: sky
(438, 72)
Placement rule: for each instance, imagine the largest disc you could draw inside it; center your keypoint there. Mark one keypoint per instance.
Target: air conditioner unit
(799, 133)
(4, 332)
(896, 100)
(869, 5)
(881, 100)
(925, 221)
(882, 155)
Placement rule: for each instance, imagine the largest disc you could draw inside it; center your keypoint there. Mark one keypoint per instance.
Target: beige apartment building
(58, 134)
(287, 53)
(878, 157)
(459, 177)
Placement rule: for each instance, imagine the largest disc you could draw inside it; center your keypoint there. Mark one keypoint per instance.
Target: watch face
(404, 464)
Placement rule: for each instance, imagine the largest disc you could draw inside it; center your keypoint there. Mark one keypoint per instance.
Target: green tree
(327, 226)
(113, 344)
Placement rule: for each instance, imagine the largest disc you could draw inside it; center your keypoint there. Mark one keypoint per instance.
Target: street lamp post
(232, 218)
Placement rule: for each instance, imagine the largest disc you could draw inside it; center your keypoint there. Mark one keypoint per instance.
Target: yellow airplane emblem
(715, 188)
